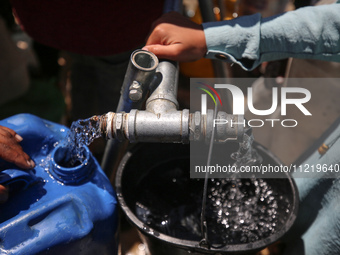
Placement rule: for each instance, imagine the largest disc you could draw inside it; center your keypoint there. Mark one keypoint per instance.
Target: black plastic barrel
(158, 196)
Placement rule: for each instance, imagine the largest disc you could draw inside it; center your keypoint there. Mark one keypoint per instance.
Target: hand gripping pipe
(161, 121)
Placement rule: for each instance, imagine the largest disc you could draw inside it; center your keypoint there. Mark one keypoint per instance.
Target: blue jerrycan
(54, 209)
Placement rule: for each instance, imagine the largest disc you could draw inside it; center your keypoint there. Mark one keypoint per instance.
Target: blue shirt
(310, 32)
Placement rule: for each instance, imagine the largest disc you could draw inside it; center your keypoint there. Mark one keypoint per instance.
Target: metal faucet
(161, 121)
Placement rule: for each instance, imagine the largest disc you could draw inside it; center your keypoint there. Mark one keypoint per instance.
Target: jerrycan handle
(17, 179)
(66, 218)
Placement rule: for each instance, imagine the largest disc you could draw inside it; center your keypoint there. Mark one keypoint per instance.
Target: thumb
(171, 52)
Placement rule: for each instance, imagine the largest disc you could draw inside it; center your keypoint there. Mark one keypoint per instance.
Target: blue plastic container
(54, 209)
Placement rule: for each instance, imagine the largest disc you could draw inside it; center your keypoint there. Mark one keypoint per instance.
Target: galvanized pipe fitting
(139, 74)
(172, 127)
(163, 96)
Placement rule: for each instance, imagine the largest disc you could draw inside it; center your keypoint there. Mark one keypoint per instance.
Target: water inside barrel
(238, 210)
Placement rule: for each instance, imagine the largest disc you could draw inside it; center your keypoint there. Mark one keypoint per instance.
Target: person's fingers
(176, 52)
(10, 149)
(5, 131)
(10, 133)
(177, 38)
(161, 35)
(14, 153)
(18, 138)
(3, 194)
(163, 51)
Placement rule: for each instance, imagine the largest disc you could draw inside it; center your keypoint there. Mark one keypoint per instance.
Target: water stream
(82, 133)
(246, 155)
(237, 210)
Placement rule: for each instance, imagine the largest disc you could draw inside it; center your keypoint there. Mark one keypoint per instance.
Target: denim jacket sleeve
(310, 32)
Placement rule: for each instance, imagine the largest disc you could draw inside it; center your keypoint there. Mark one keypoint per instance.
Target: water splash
(82, 133)
(238, 210)
(246, 154)
(244, 210)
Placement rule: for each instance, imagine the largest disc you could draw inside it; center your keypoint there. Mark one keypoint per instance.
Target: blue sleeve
(317, 227)
(310, 32)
